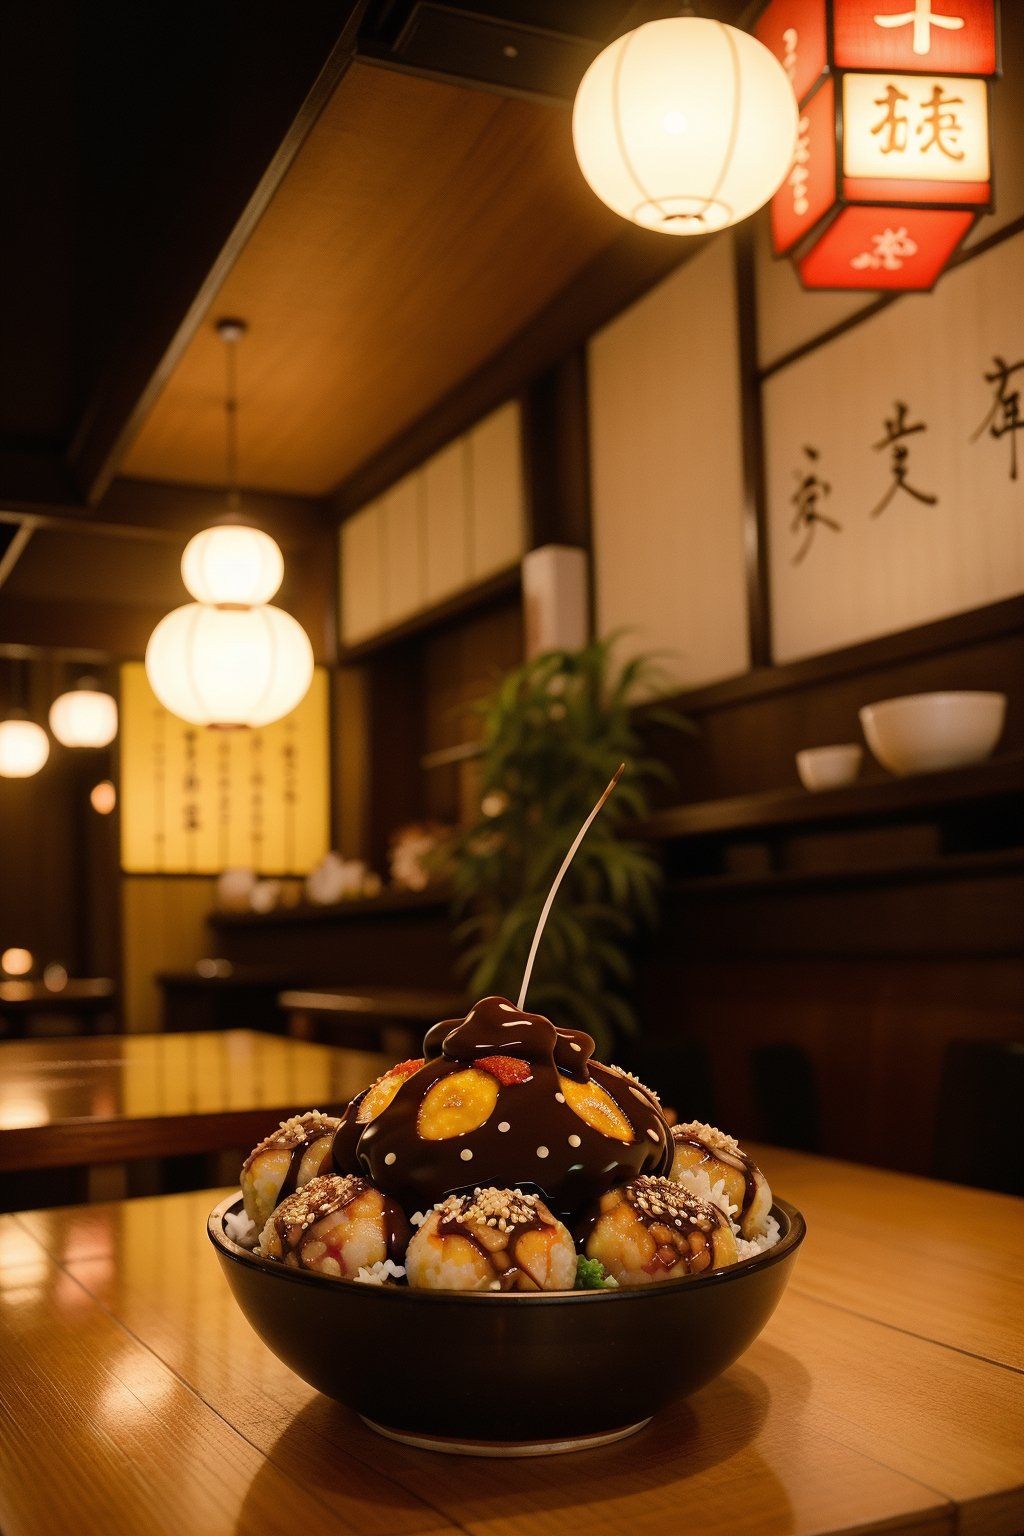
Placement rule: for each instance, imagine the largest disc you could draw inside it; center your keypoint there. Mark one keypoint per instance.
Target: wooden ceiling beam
(276, 85)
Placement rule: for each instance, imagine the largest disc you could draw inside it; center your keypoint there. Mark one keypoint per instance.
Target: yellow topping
(597, 1108)
(379, 1097)
(458, 1103)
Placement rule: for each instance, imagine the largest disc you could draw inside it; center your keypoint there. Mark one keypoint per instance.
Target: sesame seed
(574, 1141)
(504, 1126)
(652, 1133)
(559, 1098)
(573, 1046)
(542, 1151)
(466, 1155)
(390, 1158)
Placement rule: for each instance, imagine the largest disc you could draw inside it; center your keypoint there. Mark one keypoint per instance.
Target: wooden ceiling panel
(421, 226)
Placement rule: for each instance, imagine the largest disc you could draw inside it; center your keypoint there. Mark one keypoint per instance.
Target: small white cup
(829, 767)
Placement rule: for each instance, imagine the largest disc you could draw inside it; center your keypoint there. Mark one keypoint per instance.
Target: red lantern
(892, 165)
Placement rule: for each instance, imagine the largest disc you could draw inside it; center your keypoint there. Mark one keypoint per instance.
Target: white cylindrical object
(232, 564)
(229, 667)
(556, 607)
(84, 717)
(685, 125)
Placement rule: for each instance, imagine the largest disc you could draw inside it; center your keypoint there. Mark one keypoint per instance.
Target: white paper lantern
(24, 748)
(229, 666)
(685, 125)
(232, 564)
(84, 717)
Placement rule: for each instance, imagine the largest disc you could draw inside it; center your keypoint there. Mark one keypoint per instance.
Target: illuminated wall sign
(892, 165)
(199, 801)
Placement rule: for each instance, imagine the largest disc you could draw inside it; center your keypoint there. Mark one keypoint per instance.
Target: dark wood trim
(556, 455)
(206, 243)
(501, 584)
(755, 496)
(1002, 618)
(178, 511)
(57, 626)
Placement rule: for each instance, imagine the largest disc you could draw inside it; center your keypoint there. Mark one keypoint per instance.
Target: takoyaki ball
(705, 1149)
(335, 1226)
(492, 1240)
(299, 1150)
(652, 1230)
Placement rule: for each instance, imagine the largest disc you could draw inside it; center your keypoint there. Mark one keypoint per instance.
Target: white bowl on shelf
(925, 732)
(829, 767)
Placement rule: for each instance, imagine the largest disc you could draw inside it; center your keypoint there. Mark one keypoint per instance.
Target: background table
(72, 1103)
(886, 1393)
(89, 1001)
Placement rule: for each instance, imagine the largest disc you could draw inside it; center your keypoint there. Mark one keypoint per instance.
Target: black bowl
(504, 1373)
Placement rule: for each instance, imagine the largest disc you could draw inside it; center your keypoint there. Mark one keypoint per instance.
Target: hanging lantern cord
(231, 332)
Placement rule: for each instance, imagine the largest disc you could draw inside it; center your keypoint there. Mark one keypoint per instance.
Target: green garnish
(591, 1275)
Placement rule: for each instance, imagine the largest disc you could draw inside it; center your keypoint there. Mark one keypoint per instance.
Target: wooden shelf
(876, 802)
(388, 902)
(964, 866)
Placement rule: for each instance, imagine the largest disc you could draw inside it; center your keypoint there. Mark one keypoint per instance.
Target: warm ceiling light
(229, 666)
(24, 748)
(685, 125)
(103, 797)
(232, 564)
(16, 961)
(84, 717)
(230, 659)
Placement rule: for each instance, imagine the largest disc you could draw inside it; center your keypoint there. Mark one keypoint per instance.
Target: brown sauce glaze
(326, 1196)
(464, 1220)
(532, 1138)
(297, 1136)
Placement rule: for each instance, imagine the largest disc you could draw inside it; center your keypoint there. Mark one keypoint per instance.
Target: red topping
(404, 1068)
(507, 1069)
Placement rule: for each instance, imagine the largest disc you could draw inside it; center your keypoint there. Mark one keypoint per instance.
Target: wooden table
(886, 1393)
(78, 1102)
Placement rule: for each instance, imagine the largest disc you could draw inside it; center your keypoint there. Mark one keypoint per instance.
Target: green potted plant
(553, 733)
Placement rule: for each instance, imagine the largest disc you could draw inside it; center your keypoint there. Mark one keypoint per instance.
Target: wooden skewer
(616, 776)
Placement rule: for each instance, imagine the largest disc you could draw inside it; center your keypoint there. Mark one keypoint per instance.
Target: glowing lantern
(24, 748)
(892, 165)
(684, 125)
(229, 666)
(84, 717)
(230, 658)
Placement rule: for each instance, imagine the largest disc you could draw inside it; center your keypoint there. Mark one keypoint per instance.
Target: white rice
(240, 1229)
(381, 1272)
(748, 1248)
(697, 1182)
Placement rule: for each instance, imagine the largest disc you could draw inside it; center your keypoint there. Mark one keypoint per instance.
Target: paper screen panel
(447, 546)
(496, 492)
(362, 573)
(403, 566)
(666, 473)
(197, 801)
(913, 561)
